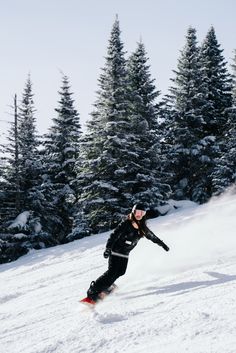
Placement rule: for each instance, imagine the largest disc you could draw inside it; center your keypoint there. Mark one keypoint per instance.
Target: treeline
(138, 147)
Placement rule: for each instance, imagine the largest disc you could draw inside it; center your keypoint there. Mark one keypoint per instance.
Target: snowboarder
(121, 241)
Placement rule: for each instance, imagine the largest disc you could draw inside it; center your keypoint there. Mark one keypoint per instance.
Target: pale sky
(45, 37)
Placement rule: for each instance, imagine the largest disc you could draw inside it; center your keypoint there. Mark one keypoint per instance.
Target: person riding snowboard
(121, 241)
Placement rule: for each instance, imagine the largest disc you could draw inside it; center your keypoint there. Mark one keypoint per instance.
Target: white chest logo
(128, 242)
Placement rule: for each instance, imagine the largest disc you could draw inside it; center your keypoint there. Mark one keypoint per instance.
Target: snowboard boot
(92, 292)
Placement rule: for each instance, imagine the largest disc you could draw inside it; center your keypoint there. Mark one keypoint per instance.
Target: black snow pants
(117, 266)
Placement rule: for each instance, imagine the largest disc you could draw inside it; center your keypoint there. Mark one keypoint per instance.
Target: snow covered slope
(175, 302)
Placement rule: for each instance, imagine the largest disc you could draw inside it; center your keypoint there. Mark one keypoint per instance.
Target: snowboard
(102, 295)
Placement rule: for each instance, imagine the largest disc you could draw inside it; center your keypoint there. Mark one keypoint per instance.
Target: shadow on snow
(185, 287)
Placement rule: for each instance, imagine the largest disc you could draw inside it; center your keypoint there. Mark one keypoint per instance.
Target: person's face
(139, 214)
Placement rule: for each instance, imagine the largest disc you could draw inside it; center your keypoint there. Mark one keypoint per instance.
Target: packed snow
(167, 302)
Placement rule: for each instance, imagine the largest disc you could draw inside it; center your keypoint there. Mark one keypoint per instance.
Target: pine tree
(29, 163)
(60, 155)
(119, 150)
(189, 151)
(224, 173)
(233, 65)
(218, 83)
(148, 178)
(2, 193)
(11, 195)
(21, 180)
(22, 172)
(21, 164)
(219, 115)
(106, 147)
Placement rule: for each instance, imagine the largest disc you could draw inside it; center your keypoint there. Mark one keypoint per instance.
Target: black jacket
(125, 237)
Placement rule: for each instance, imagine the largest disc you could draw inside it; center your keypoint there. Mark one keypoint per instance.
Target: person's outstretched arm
(151, 236)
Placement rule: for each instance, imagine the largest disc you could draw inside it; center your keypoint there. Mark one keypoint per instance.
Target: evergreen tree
(106, 148)
(219, 86)
(224, 173)
(22, 165)
(190, 151)
(20, 183)
(60, 155)
(219, 115)
(22, 170)
(119, 151)
(233, 65)
(149, 176)
(29, 164)
(11, 195)
(2, 194)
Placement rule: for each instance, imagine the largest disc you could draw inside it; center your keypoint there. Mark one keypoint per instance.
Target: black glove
(107, 253)
(165, 247)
